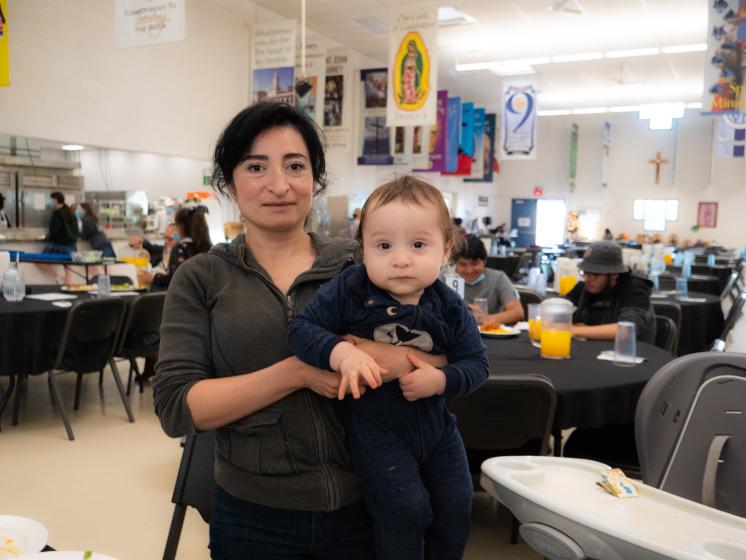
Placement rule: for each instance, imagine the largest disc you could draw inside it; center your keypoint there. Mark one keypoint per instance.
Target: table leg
(17, 402)
(6, 396)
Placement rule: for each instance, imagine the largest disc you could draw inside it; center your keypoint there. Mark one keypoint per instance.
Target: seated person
(608, 294)
(503, 305)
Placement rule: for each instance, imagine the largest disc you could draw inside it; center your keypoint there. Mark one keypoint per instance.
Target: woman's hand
(425, 381)
(321, 382)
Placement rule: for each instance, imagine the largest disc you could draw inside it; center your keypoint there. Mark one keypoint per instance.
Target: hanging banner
(488, 149)
(573, 155)
(730, 136)
(453, 134)
(375, 136)
(148, 22)
(606, 140)
(273, 62)
(337, 101)
(307, 91)
(413, 66)
(518, 120)
(4, 60)
(436, 136)
(467, 128)
(477, 167)
(726, 47)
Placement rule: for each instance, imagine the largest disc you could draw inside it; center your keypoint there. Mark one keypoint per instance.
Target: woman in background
(63, 227)
(192, 238)
(90, 231)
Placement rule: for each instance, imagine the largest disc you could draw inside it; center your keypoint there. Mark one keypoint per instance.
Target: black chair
(195, 486)
(508, 415)
(114, 280)
(528, 296)
(735, 312)
(89, 340)
(666, 333)
(673, 312)
(524, 263)
(141, 333)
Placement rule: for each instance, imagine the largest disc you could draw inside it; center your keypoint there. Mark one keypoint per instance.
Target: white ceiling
(506, 29)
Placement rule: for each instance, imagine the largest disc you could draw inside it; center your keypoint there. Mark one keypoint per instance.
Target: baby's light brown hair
(412, 190)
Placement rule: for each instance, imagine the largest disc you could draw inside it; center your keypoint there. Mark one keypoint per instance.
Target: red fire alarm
(538, 191)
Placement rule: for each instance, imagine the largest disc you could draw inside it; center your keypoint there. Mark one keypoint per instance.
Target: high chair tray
(566, 516)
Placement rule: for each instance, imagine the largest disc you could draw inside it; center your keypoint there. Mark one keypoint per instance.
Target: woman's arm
(395, 358)
(512, 313)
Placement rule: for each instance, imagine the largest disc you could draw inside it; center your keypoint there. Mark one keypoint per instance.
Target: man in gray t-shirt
(503, 305)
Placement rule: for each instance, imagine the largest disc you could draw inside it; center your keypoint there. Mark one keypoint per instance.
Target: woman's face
(273, 185)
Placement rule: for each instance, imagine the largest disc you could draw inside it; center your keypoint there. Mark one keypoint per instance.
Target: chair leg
(514, 525)
(174, 532)
(17, 402)
(101, 377)
(129, 379)
(139, 377)
(58, 400)
(120, 387)
(78, 383)
(6, 395)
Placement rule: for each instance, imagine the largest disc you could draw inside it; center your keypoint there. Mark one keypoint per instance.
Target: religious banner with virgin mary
(413, 67)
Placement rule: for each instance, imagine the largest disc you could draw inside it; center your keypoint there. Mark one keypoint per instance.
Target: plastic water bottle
(454, 281)
(678, 259)
(710, 260)
(14, 284)
(104, 285)
(686, 270)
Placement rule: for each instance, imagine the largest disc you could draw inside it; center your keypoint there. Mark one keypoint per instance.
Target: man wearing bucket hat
(610, 293)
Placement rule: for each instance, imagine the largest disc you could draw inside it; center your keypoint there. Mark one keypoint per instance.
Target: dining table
(590, 392)
(696, 283)
(721, 272)
(702, 319)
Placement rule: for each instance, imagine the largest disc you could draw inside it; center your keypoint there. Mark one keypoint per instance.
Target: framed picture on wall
(707, 215)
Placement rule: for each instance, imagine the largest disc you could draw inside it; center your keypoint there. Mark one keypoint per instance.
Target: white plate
(512, 331)
(26, 535)
(66, 555)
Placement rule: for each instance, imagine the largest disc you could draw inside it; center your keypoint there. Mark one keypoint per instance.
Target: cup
(104, 285)
(480, 303)
(534, 323)
(566, 284)
(625, 344)
(682, 287)
(655, 279)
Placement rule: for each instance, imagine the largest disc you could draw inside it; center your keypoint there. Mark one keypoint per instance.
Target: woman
(63, 227)
(192, 238)
(90, 231)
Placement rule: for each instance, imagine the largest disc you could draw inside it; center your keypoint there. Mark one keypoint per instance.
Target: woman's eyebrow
(255, 156)
(294, 156)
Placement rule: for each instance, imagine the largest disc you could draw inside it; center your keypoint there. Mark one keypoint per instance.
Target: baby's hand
(356, 368)
(425, 381)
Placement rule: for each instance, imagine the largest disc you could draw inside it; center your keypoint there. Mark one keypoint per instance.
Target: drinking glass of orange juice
(534, 322)
(556, 336)
(566, 283)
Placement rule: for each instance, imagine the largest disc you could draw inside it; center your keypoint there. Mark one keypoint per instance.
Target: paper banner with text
(375, 137)
(148, 22)
(436, 137)
(488, 149)
(4, 60)
(337, 98)
(453, 134)
(518, 120)
(729, 136)
(726, 47)
(273, 62)
(309, 98)
(413, 66)
(477, 167)
(464, 160)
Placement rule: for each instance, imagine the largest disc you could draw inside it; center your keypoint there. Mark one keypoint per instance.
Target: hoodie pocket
(260, 444)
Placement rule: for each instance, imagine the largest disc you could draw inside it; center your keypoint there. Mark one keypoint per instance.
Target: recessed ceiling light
(449, 15)
(72, 147)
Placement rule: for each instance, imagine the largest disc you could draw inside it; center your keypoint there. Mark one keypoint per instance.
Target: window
(654, 214)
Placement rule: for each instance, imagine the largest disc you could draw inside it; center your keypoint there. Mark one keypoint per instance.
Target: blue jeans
(241, 530)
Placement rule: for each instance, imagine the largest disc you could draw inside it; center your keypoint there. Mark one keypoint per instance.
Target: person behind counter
(191, 237)
(4, 220)
(63, 227)
(503, 305)
(91, 232)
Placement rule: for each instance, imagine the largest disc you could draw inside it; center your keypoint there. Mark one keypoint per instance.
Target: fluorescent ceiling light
(449, 15)
(633, 52)
(695, 105)
(589, 111)
(684, 48)
(528, 61)
(512, 70)
(476, 66)
(624, 109)
(577, 57)
(553, 112)
(72, 147)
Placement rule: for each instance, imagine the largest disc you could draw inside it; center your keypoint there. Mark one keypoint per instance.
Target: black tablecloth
(696, 283)
(721, 272)
(507, 264)
(701, 322)
(590, 392)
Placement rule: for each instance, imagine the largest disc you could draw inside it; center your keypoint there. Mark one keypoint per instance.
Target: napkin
(51, 297)
(521, 325)
(609, 356)
(62, 303)
(693, 299)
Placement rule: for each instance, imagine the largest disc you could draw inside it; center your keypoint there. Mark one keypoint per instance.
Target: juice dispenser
(556, 320)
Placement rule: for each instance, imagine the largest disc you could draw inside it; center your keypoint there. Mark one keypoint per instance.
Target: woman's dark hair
(89, 212)
(238, 137)
(473, 249)
(193, 223)
(58, 196)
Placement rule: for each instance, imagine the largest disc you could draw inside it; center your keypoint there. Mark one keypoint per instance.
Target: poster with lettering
(726, 48)
(308, 88)
(4, 61)
(518, 120)
(375, 142)
(148, 22)
(453, 134)
(435, 136)
(413, 66)
(273, 62)
(337, 98)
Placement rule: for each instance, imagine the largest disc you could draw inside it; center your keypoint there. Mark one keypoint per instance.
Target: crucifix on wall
(658, 161)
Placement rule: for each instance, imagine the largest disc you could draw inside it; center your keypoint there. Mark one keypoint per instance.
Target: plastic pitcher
(556, 320)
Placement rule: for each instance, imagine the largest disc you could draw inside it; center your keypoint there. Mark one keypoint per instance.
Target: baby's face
(404, 249)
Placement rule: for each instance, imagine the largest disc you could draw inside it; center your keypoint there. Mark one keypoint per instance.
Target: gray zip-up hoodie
(223, 316)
